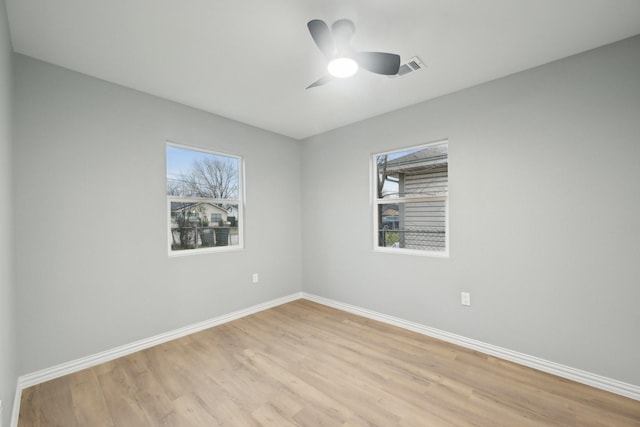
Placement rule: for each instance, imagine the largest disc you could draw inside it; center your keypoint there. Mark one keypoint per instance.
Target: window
(411, 191)
(204, 201)
(216, 218)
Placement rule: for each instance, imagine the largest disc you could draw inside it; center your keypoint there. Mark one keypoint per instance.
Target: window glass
(204, 200)
(411, 190)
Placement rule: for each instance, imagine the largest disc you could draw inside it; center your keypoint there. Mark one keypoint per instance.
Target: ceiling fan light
(342, 67)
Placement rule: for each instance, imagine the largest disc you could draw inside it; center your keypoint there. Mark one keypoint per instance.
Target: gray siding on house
(425, 215)
(425, 222)
(431, 182)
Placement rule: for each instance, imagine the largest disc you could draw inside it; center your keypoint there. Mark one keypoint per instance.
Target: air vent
(413, 64)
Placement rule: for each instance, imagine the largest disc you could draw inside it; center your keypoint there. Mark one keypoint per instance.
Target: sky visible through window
(180, 160)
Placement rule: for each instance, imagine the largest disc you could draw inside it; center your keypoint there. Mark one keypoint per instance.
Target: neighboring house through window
(204, 200)
(217, 218)
(411, 191)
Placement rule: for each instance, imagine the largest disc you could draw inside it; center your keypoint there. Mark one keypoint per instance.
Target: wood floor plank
(54, 404)
(304, 364)
(121, 396)
(30, 408)
(90, 408)
(271, 416)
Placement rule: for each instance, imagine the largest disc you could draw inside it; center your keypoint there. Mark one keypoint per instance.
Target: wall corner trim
(577, 375)
(16, 407)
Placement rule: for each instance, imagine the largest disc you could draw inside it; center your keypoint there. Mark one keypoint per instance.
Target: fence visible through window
(194, 237)
(420, 239)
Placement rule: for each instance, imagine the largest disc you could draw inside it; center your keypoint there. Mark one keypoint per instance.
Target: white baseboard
(43, 375)
(86, 362)
(577, 375)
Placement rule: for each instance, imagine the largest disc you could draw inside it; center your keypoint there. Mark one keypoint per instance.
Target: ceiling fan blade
(322, 36)
(321, 81)
(379, 62)
(342, 31)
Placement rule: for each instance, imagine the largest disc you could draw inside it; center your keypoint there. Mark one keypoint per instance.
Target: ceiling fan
(343, 59)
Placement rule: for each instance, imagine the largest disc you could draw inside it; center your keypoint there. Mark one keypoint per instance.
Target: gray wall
(91, 252)
(544, 213)
(8, 373)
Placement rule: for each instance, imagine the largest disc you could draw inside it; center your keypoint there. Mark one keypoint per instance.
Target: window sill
(415, 252)
(202, 251)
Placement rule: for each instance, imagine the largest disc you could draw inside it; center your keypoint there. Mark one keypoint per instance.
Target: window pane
(193, 173)
(192, 228)
(413, 173)
(417, 225)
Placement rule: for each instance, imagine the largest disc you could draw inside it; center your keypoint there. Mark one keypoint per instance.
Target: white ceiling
(250, 60)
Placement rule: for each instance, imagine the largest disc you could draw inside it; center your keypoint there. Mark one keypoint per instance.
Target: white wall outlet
(465, 298)
(255, 278)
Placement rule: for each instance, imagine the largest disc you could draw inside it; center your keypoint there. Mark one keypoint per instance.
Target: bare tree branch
(208, 177)
(382, 173)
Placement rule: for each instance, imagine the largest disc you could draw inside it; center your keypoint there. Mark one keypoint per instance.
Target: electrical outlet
(465, 298)
(255, 278)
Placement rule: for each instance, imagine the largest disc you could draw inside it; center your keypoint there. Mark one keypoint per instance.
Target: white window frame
(240, 202)
(376, 201)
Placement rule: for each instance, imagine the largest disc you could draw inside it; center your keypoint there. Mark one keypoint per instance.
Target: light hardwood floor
(304, 364)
